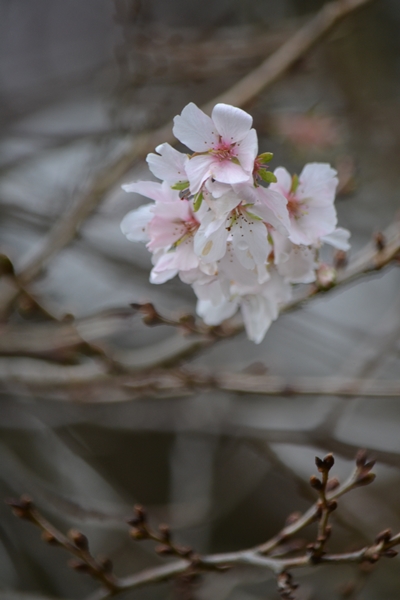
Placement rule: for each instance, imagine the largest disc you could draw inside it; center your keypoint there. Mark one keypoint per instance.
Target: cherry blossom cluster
(238, 233)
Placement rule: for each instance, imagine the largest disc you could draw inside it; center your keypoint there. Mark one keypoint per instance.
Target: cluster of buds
(238, 233)
(141, 530)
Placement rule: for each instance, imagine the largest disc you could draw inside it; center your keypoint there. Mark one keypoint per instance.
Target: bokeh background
(78, 81)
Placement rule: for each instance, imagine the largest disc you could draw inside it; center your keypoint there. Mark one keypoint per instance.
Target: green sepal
(295, 184)
(265, 157)
(181, 185)
(198, 199)
(235, 160)
(267, 176)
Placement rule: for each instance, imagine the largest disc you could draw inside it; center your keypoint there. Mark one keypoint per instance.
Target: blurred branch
(52, 339)
(264, 555)
(251, 85)
(41, 375)
(281, 60)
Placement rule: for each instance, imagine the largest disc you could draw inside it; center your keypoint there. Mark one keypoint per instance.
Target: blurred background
(78, 82)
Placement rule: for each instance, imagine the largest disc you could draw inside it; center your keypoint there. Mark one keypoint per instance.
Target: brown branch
(31, 341)
(251, 85)
(259, 556)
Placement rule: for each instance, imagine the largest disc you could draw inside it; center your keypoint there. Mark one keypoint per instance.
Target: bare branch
(259, 556)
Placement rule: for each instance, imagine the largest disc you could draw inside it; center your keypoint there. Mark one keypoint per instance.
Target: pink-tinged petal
(214, 315)
(338, 239)
(227, 171)
(169, 224)
(160, 192)
(163, 234)
(168, 164)
(284, 183)
(174, 211)
(164, 270)
(135, 224)
(195, 129)
(246, 151)
(312, 224)
(232, 123)
(318, 183)
(198, 169)
(300, 265)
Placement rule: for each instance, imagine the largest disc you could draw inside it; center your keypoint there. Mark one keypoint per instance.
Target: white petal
(152, 189)
(315, 222)
(135, 224)
(227, 171)
(246, 151)
(257, 317)
(214, 315)
(198, 169)
(300, 265)
(195, 129)
(284, 183)
(338, 239)
(224, 205)
(232, 123)
(210, 241)
(318, 183)
(168, 164)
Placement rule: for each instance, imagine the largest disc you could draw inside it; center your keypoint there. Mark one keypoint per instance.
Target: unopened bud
(366, 479)
(332, 505)
(340, 259)
(165, 532)
(105, 563)
(380, 241)
(138, 533)
(332, 484)
(383, 536)
(326, 276)
(184, 551)
(140, 512)
(79, 565)
(49, 538)
(390, 553)
(329, 461)
(315, 483)
(164, 550)
(21, 507)
(373, 558)
(78, 539)
(361, 458)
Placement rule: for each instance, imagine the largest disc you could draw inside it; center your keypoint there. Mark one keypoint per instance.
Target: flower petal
(135, 224)
(232, 123)
(195, 129)
(168, 164)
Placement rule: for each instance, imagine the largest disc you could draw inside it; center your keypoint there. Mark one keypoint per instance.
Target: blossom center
(224, 151)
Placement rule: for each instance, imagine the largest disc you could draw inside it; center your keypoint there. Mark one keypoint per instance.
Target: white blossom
(214, 222)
